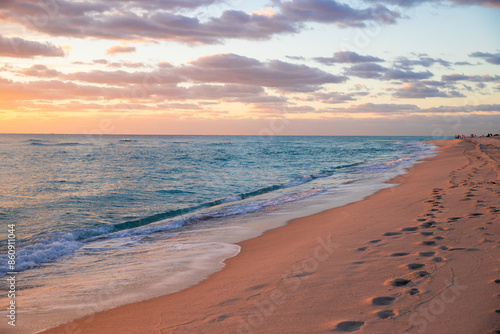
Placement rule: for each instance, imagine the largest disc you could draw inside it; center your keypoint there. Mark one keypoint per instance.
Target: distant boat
(126, 139)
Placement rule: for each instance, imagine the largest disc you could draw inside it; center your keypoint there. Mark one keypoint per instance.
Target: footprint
(381, 301)
(220, 318)
(399, 254)
(413, 291)
(362, 249)
(349, 326)
(427, 224)
(427, 254)
(422, 274)
(426, 233)
(385, 314)
(415, 266)
(256, 287)
(475, 214)
(438, 238)
(229, 301)
(390, 234)
(428, 242)
(408, 229)
(438, 259)
(400, 282)
(302, 275)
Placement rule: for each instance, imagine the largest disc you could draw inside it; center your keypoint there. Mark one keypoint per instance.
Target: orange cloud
(120, 49)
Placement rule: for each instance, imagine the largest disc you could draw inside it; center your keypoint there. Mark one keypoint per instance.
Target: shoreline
(304, 284)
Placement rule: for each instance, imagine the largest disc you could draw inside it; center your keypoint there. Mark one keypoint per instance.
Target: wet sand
(421, 257)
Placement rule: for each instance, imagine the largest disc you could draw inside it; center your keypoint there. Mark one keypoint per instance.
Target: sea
(103, 220)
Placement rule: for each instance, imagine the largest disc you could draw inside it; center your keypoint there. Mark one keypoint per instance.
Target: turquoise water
(89, 207)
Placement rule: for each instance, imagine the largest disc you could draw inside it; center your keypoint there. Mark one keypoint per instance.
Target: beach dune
(421, 257)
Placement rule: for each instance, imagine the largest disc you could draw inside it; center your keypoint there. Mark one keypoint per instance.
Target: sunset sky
(292, 67)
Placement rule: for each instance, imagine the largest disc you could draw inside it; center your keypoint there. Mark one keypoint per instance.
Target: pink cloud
(20, 48)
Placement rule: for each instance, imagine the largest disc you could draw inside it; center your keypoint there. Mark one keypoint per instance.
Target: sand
(421, 257)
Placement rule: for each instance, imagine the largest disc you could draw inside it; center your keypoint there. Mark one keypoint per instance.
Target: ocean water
(102, 221)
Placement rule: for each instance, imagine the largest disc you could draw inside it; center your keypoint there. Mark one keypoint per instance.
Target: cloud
(122, 78)
(235, 93)
(335, 97)
(55, 90)
(389, 109)
(166, 5)
(40, 71)
(492, 58)
(395, 74)
(374, 108)
(489, 3)
(463, 63)
(120, 49)
(131, 64)
(434, 83)
(376, 71)
(262, 99)
(222, 77)
(473, 78)
(408, 64)
(421, 90)
(20, 48)
(468, 109)
(330, 11)
(235, 69)
(179, 106)
(367, 70)
(162, 20)
(347, 57)
(412, 3)
(295, 57)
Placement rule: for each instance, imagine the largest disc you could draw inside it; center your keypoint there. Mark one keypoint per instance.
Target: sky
(241, 67)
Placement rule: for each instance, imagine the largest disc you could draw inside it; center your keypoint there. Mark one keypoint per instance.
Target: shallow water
(98, 219)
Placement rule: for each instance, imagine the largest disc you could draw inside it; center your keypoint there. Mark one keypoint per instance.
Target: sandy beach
(421, 257)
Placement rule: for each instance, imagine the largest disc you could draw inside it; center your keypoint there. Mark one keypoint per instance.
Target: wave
(40, 143)
(48, 247)
(54, 245)
(220, 212)
(387, 165)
